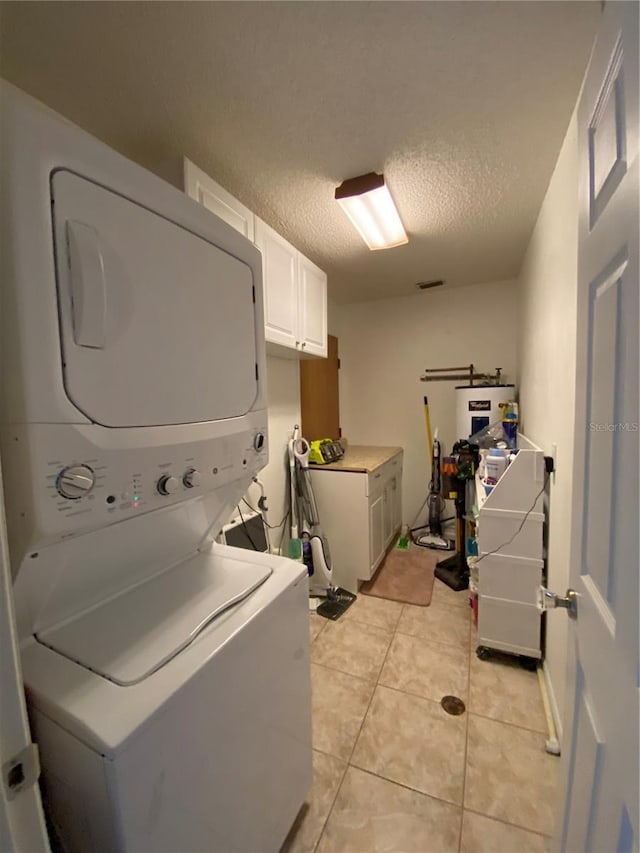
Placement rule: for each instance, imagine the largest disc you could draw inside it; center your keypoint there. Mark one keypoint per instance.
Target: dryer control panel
(83, 484)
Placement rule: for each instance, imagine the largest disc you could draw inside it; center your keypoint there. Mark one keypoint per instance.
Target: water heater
(477, 406)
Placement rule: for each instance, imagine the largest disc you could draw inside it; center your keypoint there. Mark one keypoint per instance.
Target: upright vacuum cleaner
(433, 537)
(305, 522)
(459, 470)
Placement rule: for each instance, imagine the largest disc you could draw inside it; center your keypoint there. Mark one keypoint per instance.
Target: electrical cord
(281, 524)
(284, 530)
(246, 529)
(270, 526)
(522, 523)
(417, 515)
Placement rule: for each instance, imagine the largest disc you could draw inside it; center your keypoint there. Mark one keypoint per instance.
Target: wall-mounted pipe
(470, 376)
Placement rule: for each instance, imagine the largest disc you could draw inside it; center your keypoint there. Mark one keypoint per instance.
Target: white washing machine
(167, 677)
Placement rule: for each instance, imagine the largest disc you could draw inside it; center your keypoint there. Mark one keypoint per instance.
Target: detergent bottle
(495, 465)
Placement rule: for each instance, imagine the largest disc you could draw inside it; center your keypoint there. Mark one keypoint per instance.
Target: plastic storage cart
(510, 524)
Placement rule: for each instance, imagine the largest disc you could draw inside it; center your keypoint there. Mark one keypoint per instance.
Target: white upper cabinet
(280, 279)
(295, 298)
(295, 289)
(312, 312)
(215, 198)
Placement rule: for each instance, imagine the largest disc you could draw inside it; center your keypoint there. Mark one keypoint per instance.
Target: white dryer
(167, 677)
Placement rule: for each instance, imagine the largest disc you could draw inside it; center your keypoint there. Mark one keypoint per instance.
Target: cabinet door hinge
(338, 364)
(21, 771)
(339, 432)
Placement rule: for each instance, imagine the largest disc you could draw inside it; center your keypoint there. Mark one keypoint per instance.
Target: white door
(313, 308)
(601, 760)
(280, 279)
(21, 819)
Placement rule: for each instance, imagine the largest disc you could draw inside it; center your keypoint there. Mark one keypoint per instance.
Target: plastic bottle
(306, 553)
(510, 428)
(495, 465)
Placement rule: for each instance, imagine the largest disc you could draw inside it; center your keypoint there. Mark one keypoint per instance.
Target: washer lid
(131, 636)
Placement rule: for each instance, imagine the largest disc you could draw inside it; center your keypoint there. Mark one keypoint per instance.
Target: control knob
(168, 485)
(192, 478)
(75, 481)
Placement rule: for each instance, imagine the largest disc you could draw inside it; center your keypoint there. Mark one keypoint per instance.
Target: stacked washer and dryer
(167, 676)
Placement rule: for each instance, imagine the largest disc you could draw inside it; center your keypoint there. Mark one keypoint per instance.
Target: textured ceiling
(463, 106)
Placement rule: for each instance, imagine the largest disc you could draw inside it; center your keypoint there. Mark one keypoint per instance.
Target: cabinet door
(376, 531)
(280, 278)
(396, 514)
(215, 198)
(313, 308)
(392, 508)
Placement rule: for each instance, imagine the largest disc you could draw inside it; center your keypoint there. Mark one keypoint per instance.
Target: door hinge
(338, 364)
(253, 293)
(257, 376)
(339, 432)
(21, 771)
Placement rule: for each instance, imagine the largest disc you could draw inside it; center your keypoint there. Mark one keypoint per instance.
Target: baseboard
(552, 702)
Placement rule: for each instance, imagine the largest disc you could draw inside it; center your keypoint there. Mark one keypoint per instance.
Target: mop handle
(428, 422)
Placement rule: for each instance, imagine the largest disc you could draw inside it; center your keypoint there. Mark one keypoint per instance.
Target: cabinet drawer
(375, 482)
(515, 578)
(377, 478)
(509, 626)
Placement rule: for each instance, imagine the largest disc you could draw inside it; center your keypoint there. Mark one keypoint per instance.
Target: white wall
(385, 347)
(283, 394)
(546, 360)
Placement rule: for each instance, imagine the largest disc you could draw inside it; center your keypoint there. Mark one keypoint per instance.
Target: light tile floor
(392, 770)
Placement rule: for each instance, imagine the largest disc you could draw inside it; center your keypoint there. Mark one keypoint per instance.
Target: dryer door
(158, 326)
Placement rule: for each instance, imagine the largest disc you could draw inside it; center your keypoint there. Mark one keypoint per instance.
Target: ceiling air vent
(426, 285)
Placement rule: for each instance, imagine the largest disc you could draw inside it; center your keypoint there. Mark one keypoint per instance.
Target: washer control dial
(168, 485)
(192, 478)
(75, 481)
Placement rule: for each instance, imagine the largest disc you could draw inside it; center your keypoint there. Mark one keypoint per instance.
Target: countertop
(360, 458)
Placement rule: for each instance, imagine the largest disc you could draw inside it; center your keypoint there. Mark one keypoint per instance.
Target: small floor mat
(406, 576)
(334, 607)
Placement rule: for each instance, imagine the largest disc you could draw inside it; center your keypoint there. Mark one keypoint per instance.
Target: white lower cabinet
(393, 508)
(360, 513)
(376, 533)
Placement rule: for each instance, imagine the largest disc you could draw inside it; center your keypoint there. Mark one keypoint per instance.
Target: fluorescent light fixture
(368, 204)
